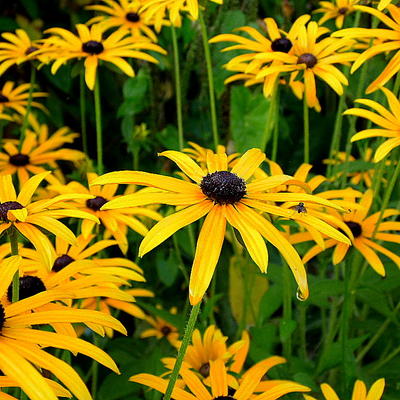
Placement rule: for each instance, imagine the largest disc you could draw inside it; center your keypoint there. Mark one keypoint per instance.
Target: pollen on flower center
(96, 203)
(223, 187)
(30, 50)
(132, 17)
(61, 262)
(342, 10)
(355, 228)
(7, 206)
(19, 160)
(205, 370)
(28, 286)
(282, 44)
(92, 47)
(307, 58)
(3, 99)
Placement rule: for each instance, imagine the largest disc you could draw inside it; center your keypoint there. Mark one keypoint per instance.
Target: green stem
(99, 134)
(13, 237)
(275, 132)
(306, 117)
(82, 102)
(178, 90)
(271, 117)
(28, 107)
(182, 350)
(380, 364)
(207, 53)
(95, 370)
(287, 306)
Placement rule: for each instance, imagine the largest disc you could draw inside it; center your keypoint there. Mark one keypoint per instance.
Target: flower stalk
(28, 107)
(306, 119)
(99, 133)
(82, 103)
(13, 237)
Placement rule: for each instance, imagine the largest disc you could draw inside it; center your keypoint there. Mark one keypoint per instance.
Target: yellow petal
(9, 267)
(29, 188)
(248, 163)
(186, 164)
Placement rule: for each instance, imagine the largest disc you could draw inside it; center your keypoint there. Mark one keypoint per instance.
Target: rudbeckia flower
(337, 9)
(16, 98)
(21, 345)
(63, 46)
(360, 391)
(387, 120)
(219, 390)
(27, 216)
(125, 15)
(221, 196)
(116, 222)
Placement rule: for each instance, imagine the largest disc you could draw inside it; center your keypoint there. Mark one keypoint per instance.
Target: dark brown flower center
(7, 206)
(132, 17)
(92, 47)
(205, 370)
(281, 44)
(355, 228)
(224, 398)
(342, 10)
(28, 286)
(96, 203)
(307, 58)
(19, 160)
(61, 262)
(3, 99)
(2, 317)
(223, 187)
(166, 330)
(30, 50)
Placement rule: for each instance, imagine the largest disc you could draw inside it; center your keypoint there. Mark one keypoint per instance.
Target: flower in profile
(337, 9)
(125, 15)
(247, 389)
(360, 391)
(221, 196)
(16, 98)
(388, 122)
(63, 46)
(38, 152)
(21, 345)
(17, 48)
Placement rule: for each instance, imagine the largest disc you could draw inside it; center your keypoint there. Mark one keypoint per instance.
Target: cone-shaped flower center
(2, 317)
(132, 17)
(96, 203)
(3, 99)
(223, 187)
(355, 228)
(224, 398)
(281, 44)
(92, 47)
(7, 206)
(30, 50)
(61, 262)
(307, 58)
(28, 286)
(166, 330)
(19, 160)
(205, 370)
(342, 10)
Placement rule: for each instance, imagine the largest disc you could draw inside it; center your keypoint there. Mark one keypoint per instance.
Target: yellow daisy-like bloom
(314, 59)
(21, 346)
(391, 38)
(116, 222)
(63, 46)
(221, 196)
(360, 391)
(362, 227)
(246, 390)
(27, 216)
(17, 49)
(388, 122)
(16, 98)
(125, 15)
(38, 152)
(337, 9)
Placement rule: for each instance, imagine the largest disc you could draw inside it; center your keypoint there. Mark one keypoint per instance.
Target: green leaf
(270, 302)
(355, 166)
(286, 328)
(174, 319)
(262, 341)
(322, 290)
(31, 7)
(167, 268)
(168, 137)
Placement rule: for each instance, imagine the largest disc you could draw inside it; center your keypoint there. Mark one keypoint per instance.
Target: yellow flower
(360, 391)
(337, 9)
(89, 44)
(220, 382)
(383, 4)
(125, 15)
(17, 98)
(388, 122)
(222, 196)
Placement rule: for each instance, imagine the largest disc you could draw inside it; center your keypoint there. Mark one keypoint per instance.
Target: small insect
(299, 208)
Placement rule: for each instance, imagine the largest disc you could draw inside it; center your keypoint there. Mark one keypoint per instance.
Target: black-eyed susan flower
(221, 386)
(337, 10)
(360, 391)
(116, 222)
(28, 216)
(388, 121)
(38, 152)
(125, 15)
(221, 196)
(63, 46)
(391, 38)
(16, 98)
(21, 345)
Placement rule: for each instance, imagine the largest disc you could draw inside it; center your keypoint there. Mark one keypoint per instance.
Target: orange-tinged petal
(219, 382)
(373, 260)
(359, 391)
(7, 190)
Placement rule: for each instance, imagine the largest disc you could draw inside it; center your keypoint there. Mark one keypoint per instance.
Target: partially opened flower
(221, 196)
(336, 9)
